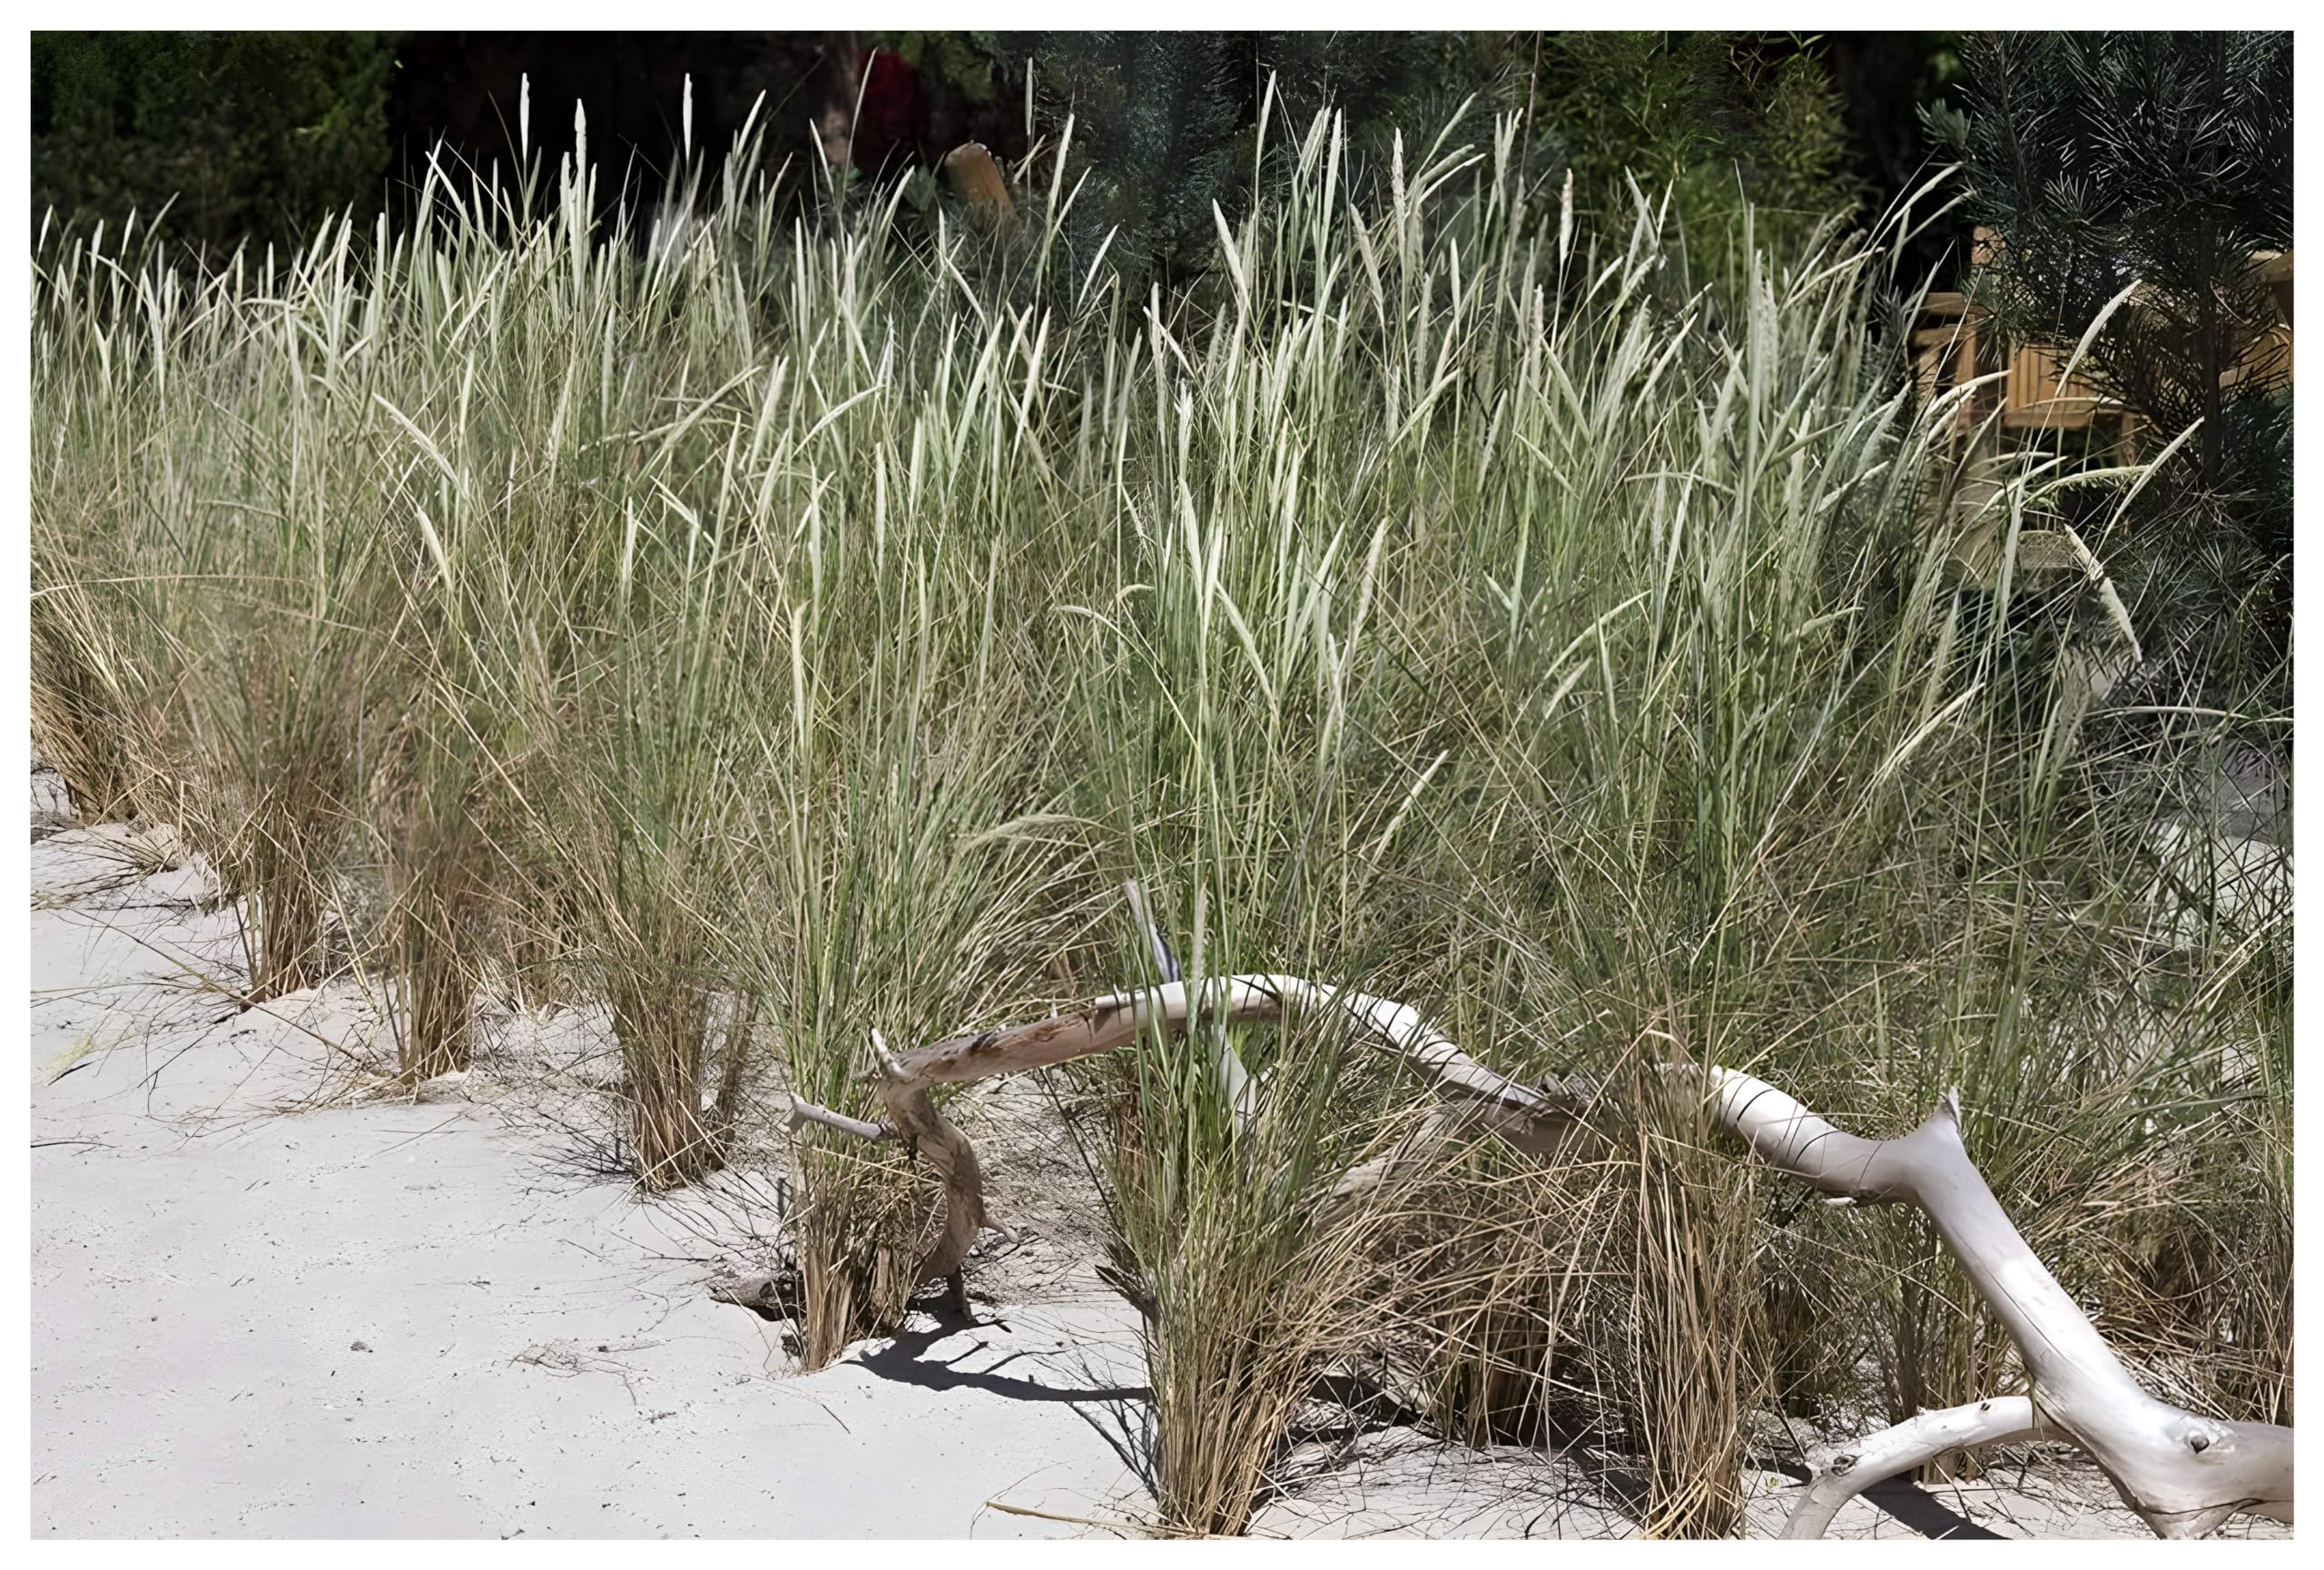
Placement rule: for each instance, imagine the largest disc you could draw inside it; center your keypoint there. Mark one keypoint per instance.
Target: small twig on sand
(1155, 1530)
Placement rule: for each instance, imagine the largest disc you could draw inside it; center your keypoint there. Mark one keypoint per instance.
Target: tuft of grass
(78, 704)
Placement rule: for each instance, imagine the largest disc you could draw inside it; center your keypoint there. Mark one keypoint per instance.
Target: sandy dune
(398, 1320)
(265, 1305)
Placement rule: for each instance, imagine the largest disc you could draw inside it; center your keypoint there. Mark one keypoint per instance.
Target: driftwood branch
(927, 1134)
(1844, 1471)
(1115, 1021)
(1537, 1119)
(804, 1113)
(2182, 1473)
(1481, 1102)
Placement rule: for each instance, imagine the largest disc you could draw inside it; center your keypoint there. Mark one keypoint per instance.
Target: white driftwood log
(1115, 1021)
(2182, 1473)
(806, 1113)
(1846, 1470)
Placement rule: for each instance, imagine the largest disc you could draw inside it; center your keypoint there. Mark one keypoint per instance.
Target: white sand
(541, 1355)
(418, 1319)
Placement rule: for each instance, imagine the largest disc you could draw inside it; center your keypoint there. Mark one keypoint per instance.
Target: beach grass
(812, 621)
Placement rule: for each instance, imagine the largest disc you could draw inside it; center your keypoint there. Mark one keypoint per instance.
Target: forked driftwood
(2181, 1473)
(1535, 1119)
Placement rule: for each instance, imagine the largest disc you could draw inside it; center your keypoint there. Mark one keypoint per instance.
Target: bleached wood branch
(927, 1134)
(1846, 1470)
(2182, 1473)
(1115, 1021)
(1484, 1102)
(804, 1112)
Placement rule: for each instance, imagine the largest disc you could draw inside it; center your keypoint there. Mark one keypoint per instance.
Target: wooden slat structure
(1953, 342)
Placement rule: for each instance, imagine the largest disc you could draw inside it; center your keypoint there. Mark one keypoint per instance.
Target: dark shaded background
(260, 135)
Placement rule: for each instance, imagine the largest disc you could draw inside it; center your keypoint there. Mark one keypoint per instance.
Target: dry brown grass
(277, 851)
(859, 1233)
(661, 1009)
(79, 705)
(1693, 1353)
(1248, 1319)
(436, 852)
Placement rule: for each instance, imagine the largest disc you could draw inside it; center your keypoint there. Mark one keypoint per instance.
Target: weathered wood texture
(2182, 1473)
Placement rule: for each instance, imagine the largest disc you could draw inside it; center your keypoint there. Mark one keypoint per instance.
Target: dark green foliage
(960, 64)
(1164, 124)
(1716, 115)
(261, 134)
(2164, 159)
(1155, 121)
(256, 134)
(1883, 79)
(1416, 83)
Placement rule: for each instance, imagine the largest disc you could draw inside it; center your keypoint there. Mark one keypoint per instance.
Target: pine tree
(1155, 118)
(2108, 158)
(2161, 159)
